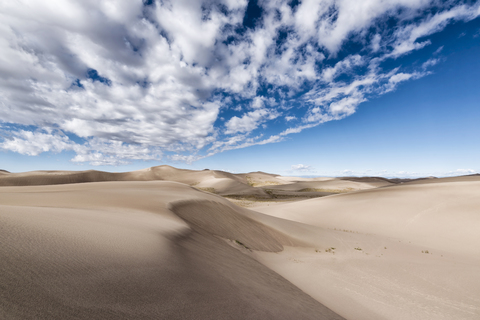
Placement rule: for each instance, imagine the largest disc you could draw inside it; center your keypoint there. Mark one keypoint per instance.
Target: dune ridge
(228, 222)
(254, 184)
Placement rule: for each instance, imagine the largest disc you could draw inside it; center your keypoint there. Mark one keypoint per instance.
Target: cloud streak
(140, 80)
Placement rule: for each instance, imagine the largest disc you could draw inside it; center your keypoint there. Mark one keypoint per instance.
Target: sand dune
(158, 244)
(410, 251)
(473, 177)
(114, 250)
(219, 182)
(332, 185)
(443, 215)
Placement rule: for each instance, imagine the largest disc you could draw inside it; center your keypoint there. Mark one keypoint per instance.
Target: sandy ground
(137, 245)
(404, 252)
(138, 250)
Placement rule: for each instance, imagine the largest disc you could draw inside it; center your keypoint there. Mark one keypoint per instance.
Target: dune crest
(227, 222)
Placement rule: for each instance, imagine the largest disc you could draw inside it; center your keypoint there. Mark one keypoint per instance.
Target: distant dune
(166, 243)
(218, 181)
(379, 179)
(417, 242)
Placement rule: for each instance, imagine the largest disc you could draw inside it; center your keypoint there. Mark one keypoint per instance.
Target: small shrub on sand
(250, 181)
(240, 243)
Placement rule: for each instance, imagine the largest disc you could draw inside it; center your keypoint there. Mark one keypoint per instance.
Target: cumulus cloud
(250, 121)
(147, 79)
(34, 143)
(96, 151)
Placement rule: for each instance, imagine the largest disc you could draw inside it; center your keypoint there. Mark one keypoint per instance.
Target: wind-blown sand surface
(78, 246)
(410, 251)
(138, 250)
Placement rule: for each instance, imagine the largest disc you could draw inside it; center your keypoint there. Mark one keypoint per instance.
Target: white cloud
(96, 151)
(290, 118)
(461, 172)
(250, 120)
(406, 37)
(302, 168)
(438, 50)
(430, 63)
(34, 143)
(139, 82)
(375, 44)
(345, 65)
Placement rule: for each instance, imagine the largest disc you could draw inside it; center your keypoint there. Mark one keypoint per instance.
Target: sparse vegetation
(258, 183)
(269, 192)
(267, 198)
(270, 183)
(358, 248)
(211, 190)
(345, 230)
(326, 190)
(426, 251)
(330, 250)
(240, 243)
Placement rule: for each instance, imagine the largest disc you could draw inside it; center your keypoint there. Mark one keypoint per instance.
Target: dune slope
(138, 250)
(436, 215)
(409, 251)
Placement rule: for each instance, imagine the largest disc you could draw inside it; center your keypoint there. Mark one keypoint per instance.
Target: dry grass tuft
(345, 190)
(259, 183)
(208, 189)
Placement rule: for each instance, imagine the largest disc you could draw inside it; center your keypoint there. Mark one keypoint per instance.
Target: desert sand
(166, 243)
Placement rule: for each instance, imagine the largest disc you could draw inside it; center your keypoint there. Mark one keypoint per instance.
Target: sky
(310, 88)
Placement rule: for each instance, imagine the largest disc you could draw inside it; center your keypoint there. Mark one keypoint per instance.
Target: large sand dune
(138, 250)
(217, 181)
(410, 251)
(151, 244)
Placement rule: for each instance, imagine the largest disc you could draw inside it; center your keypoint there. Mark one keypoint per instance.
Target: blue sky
(387, 88)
